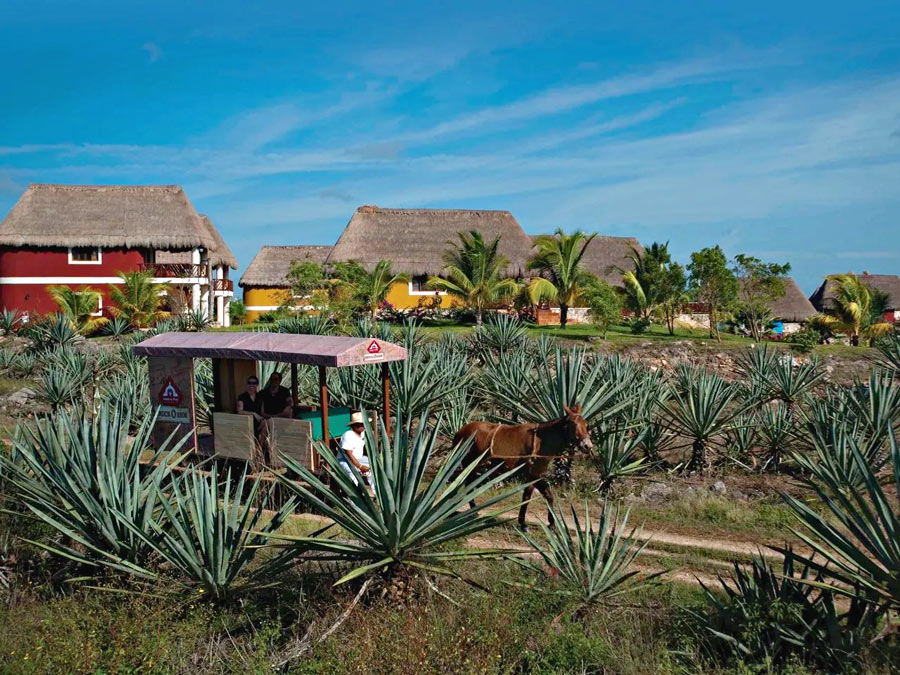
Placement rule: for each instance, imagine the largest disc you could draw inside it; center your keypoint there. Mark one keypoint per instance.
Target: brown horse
(531, 445)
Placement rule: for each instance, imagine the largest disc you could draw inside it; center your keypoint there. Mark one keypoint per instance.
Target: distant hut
(823, 297)
(265, 281)
(415, 241)
(792, 309)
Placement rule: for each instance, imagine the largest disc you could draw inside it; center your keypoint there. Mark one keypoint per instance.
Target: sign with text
(374, 347)
(172, 383)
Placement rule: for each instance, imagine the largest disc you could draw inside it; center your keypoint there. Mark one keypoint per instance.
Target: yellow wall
(268, 298)
(400, 298)
(398, 295)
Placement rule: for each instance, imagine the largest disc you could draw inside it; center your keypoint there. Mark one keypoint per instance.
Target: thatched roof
(604, 254)
(270, 267)
(219, 253)
(793, 306)
(823, 296)
(130, 216)
(415, 240)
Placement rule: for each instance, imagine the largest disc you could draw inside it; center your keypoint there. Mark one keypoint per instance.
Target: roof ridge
(388, 209)
(84, 186)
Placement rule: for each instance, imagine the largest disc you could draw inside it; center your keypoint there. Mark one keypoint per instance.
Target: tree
(713, 283)
(237, 311)
(604, 304)
(474, 273)
(308, 281)
(558, 261)
(381, 282)
(760, 285)
(654, 283)
(137, 299)
(79, 306)
(857, 310)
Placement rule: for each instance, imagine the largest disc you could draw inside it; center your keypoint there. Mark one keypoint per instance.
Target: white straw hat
(355, 418)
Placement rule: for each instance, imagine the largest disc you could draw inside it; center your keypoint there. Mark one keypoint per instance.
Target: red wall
(54, 262)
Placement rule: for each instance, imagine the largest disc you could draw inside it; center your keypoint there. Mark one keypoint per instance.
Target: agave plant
(702, 412)
(193, 320)
(862, 551)
(889, 356)
(53, 331)
(210, 534)
(829, 452)
(594, 561)
(23, 364)
(365, 327)
(763, 616)
(132, 389)
(456, 411)
(314, 324)
(777, 430)
(616, 456)
(203, 392)
(500, 333)
(536, 388)
(83, 477)
(7, 359)
(792, 382)
(742, 436)
(10, 320)
(423, 379)
(876, 403)
(117, 327)
(59, 388)
(757, 364)
(408, 521)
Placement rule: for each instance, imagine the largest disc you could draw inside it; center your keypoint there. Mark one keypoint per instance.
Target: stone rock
(656, 492)
(718, 487)
(19, 398)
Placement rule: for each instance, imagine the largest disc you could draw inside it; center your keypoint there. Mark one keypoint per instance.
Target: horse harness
(533, 455)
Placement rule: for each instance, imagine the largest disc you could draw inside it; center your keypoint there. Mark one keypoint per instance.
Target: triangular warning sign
(373, 347)
(170, 394)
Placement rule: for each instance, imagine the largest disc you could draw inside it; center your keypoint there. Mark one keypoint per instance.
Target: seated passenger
(353, 446)
(276, 400)
(250, 403)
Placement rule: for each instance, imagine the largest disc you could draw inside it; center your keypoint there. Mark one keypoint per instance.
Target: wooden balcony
(223, 285)
(175, 270)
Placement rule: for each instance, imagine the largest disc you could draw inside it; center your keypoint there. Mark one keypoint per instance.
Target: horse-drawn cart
(235, 357)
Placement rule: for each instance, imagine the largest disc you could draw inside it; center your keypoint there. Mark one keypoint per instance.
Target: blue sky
(770, 128)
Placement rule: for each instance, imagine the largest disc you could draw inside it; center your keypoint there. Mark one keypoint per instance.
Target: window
(418, 285)
(85, 255)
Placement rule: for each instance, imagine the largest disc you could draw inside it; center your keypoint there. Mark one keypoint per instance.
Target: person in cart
(352, 448)
(250, 403)
(276, 400)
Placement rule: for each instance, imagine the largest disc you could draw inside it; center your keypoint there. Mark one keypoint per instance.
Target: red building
(84, 235)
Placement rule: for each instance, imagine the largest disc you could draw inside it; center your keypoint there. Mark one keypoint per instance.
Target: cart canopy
(311, 350)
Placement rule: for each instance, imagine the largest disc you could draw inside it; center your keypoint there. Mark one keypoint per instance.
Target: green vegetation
(138, 300)
(561, 278)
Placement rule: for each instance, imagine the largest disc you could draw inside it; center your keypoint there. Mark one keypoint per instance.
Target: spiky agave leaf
(777, 430)
(791, 381)
(862, 549)
(536, 388)
(211, 533)
(760, 615)
(616, 456)
(83, 477)
(594, 560)
(408, 519)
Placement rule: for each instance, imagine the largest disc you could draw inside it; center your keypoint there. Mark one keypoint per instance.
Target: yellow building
(265, 281)
(415, 241)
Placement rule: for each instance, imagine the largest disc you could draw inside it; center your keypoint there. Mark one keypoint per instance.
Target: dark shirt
(252, 406)
(273, 404)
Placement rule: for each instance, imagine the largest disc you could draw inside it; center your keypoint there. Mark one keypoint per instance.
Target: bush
(805, 340)
(779, 618)
(604, 305)
(639, 326)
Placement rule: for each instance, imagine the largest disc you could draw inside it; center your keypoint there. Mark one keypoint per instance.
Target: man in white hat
(353, 445)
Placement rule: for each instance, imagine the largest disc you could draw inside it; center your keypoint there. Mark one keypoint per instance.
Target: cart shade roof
(312, 350)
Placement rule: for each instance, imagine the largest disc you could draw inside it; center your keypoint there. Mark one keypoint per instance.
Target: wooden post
(294, 385)
(386, 396)
(323, 402)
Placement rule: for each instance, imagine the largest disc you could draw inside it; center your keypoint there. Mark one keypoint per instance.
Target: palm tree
(382, 280)
(138, 300)
(474, 273)
(79, 306)
(563, 277)
(654, 283)
(855, 311)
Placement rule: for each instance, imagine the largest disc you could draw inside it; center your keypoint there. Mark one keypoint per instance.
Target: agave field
(772, 544)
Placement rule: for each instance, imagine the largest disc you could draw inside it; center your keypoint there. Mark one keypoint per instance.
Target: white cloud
(153, 51)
